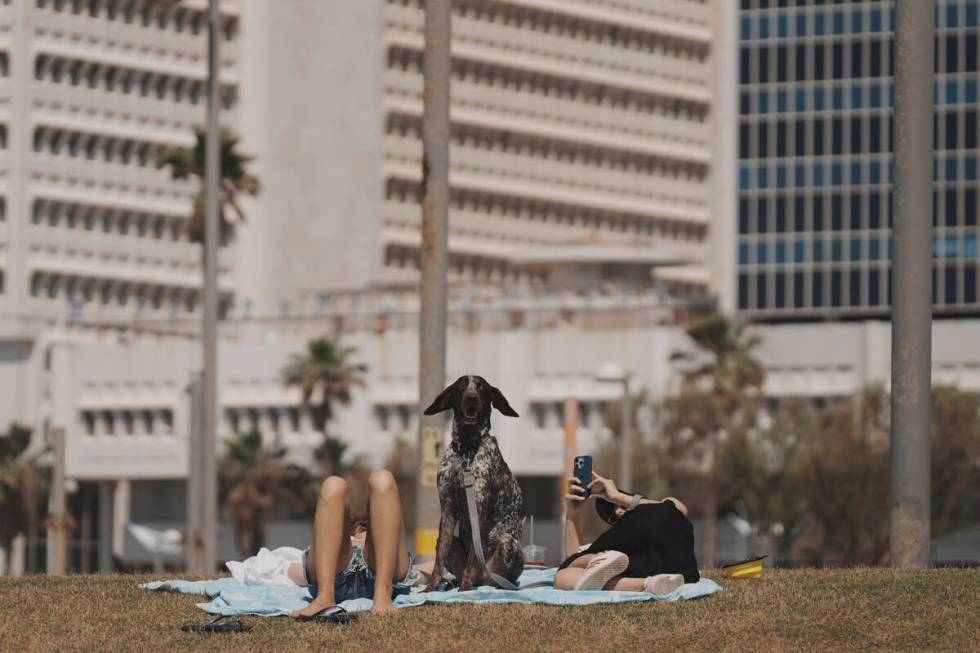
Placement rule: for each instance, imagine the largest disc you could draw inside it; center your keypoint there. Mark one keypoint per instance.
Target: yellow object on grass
(745, 569)
(425, 541)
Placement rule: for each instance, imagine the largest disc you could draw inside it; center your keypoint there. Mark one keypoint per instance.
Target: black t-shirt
(658, 539)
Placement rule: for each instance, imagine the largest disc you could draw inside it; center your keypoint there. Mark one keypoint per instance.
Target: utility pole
(212, 176)
(436, 71)
(912, 285)
(192, 542)
(59, 506)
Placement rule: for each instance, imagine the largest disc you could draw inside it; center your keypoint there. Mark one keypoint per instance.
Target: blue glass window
(855, 249)
(799, 250)
(971, 14)
(951, 246)
(874, 172)
(762, 253)
(780, 251)
(819, 26)
(745, 30)
(970, 245)
(836, 250)
(891, 94)
(891, 171)
(744, 104)
(818, 99)
(781, 101)
(763, 27)
(818, 174)
(743, 253)
(801, 175)
(763, 180)
(838, 22)
(952, 170)
(836, 174)
(818, 251)
(874, 248)
(970, 91)
(857, 21)
(838, 98)
(801, 99)
(970, 168)
(952, 91)
(891, 19)
(782, 26)
(781, 176)
(763, 102)
(856, 97)
(801, 24)
(876, 20)
(855, 172)
(744, 178)
(952, 15)
(875, 99)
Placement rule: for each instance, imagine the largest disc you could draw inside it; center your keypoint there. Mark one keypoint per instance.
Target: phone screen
(582, 470)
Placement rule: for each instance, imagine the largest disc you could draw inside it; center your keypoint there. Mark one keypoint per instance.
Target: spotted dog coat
(498, 496)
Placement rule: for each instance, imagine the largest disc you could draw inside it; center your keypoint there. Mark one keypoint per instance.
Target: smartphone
(582, 470)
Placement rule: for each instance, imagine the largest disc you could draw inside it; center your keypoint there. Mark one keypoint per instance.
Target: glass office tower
(815, 164)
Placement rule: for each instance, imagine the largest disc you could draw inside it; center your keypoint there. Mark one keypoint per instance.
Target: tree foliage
(255, 481)
(326, 375)
(185, 163)
(23, 485)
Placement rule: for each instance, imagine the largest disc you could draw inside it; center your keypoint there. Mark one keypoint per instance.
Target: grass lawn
(812, 610)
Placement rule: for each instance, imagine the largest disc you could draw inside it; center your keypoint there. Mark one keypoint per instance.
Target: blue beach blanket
(229, 596)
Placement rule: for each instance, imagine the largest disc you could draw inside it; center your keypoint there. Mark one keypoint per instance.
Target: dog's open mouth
(470, 417)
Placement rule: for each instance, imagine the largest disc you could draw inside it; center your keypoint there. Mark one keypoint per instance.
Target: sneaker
(601, 569)
(662, 584)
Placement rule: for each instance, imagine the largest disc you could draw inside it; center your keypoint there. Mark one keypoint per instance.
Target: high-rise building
(585, 135)
(91, 230)
(815, 169)
(94, 91)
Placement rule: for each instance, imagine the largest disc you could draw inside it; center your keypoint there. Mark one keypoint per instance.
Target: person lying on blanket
(351, 559)
(648, 548)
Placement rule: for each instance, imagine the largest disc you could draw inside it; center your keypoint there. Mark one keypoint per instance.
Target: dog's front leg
(471, 572)
(446, 527)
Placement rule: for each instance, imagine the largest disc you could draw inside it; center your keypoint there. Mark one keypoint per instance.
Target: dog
(498, 496)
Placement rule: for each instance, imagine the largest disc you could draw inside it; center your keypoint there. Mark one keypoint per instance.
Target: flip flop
(235, 625)
(334, 614)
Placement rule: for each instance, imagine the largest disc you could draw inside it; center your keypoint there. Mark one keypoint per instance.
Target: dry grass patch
(793, 610)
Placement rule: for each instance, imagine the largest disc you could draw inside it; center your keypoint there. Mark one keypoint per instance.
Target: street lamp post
(612, 373)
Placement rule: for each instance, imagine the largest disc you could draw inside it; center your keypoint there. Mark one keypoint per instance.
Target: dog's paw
(432, 585)
(466, 585)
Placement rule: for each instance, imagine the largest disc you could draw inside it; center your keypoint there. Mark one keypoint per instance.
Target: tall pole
(436, 70)
(912, 285)
(625, 480)
(212, 174)
(59, 506)
(192, 544)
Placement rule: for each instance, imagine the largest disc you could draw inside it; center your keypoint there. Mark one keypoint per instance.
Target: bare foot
(383, 606)
(318, 604)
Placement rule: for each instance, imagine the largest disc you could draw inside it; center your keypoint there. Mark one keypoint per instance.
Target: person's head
(608, 511)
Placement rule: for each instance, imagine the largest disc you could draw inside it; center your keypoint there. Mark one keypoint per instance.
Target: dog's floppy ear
(499, 401)
(445, 399)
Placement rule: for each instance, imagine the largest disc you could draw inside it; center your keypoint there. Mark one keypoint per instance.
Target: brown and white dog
(498, 496)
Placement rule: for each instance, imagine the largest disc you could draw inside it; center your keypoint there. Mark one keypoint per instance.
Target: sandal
(236, 625)
(334, 614)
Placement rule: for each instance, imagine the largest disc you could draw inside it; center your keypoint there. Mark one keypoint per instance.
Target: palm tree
(254, 482)
(721, 378)
(185, 163)
(326, 376)
(22, 485)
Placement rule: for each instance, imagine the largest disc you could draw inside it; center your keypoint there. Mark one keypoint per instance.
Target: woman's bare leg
(331, 549)
(385, 549)
(566, 578)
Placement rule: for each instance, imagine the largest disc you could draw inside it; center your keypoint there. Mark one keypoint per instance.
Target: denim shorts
(356, 580)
